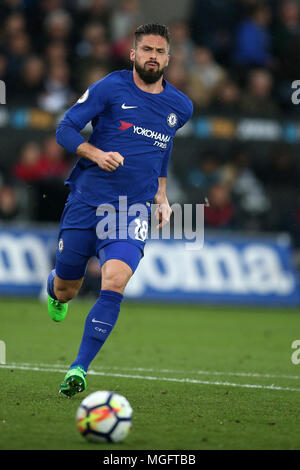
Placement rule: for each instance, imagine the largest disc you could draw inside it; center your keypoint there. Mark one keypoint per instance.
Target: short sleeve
(189, 109)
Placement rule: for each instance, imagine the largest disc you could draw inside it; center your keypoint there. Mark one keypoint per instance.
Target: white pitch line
(172, 371)
(163, 379)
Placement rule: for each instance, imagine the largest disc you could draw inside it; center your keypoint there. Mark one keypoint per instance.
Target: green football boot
(57, 310)
(74, 382)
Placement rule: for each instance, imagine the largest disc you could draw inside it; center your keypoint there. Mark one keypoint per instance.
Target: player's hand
(110, 161)
(163, 213)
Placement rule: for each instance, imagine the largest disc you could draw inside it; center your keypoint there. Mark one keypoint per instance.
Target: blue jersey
(140, 126)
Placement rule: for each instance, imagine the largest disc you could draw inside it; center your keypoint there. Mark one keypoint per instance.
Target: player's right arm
(108, 161)
(91, 104)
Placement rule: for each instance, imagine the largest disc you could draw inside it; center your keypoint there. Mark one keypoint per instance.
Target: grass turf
(180, 367)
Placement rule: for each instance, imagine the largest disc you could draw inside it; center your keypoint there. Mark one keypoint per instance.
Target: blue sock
(98, 326)
(50, 284)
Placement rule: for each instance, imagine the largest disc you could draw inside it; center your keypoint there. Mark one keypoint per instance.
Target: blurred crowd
(246, 195)
(229, 56)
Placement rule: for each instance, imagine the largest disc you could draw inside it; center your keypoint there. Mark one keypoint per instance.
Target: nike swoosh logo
(127, 107)
(103, 323)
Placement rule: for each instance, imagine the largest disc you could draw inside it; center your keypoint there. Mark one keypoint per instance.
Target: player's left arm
(163, 211)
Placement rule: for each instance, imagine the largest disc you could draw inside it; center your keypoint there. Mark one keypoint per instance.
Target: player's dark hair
(152, 28)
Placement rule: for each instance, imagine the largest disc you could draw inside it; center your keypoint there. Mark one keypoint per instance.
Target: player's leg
(103, 316)
(75, 247)
(66, 290)
(115, 274)
(60, 292)
(76, 244)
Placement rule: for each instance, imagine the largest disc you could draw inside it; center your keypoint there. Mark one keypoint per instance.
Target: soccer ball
(104, 417)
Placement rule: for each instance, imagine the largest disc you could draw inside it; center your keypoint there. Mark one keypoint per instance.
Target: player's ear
(132, 55)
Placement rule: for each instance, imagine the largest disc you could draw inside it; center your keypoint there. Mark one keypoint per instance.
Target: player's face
(150, 57)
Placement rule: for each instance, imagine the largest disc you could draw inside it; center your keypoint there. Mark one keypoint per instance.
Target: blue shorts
(85, 231)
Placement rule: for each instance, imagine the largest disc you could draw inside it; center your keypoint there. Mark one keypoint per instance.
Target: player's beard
(149, 75)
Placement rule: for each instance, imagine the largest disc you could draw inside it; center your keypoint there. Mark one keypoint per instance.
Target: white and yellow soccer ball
(104, 416)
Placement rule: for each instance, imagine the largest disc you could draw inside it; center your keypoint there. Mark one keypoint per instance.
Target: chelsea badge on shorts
(172, 119)
(60, 245)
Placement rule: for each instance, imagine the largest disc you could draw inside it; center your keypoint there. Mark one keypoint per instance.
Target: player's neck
(154, 88)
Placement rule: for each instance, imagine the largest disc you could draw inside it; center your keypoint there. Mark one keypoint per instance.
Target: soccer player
(134, 115)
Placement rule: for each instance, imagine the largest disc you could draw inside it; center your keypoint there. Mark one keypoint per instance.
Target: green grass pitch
(197, 377)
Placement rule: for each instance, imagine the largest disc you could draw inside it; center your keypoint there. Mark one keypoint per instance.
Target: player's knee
(65, 294)
(66, 290)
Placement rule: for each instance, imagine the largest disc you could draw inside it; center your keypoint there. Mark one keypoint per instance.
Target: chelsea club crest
(172, 120)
